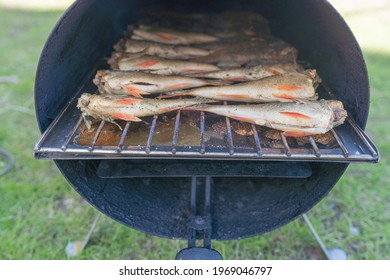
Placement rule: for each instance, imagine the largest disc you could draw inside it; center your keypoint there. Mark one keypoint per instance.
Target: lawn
(40, 212)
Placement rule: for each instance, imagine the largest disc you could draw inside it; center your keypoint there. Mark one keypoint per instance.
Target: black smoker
(200, 192)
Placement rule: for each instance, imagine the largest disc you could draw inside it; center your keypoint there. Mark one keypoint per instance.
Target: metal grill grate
(58, 142)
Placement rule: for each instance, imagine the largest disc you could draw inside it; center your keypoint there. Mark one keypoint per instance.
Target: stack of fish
(230, 56)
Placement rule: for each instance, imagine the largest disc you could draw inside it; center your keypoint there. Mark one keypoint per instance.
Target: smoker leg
(74, 248)
(200, 223)
(332, 253)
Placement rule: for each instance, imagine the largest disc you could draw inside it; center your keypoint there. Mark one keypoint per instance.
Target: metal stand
(332, 253)
(8, 159)
(199, 224)
(74, 248)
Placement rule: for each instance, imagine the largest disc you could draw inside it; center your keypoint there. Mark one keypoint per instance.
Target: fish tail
(312, 73)
(98, 77)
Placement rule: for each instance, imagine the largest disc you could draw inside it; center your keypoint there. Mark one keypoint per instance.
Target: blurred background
(40, 213)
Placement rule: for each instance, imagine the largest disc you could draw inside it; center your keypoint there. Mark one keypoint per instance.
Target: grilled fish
(238, 20)
(209, 30)
(225, 21)
(243, 74)
(294, 119)
(158, 65)
(162, 50)
(172, 37)
(112, 107)
(244, 52)
(285, 87)
(139, 83)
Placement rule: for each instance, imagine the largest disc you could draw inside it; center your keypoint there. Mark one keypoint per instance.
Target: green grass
(40, 212)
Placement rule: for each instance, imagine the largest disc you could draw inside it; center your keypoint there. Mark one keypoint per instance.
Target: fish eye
(85, 102)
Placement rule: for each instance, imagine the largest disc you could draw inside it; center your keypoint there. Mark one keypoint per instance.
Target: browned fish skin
(172, 37)
(241, 53)
(209, 30)
(240, 20)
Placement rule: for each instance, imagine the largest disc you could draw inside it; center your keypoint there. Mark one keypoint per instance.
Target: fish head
(339, 113)
(313, 75)
(84, 101)
(101, 73)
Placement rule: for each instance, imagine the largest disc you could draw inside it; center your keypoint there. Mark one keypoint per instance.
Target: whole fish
(285, 87)
(158, 65)
(243, 74)
(294, 119)
(112, 107)
(158, 49)
(139, 83)
(224, 21)
(231, 42)
(234, 19)
(244, 52)
(219, 33)
(172, 37)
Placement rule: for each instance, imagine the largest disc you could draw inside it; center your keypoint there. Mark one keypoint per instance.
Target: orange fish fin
(180, 86)
(238, 96)
(295, 115)
(147, 64)
(272, 71)
(287, 87)
(295, 134)
(166, 96)
(283, 96)
(164, 36)
(125, 117)
(244, 119)
(127, 101)
(135, 91)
